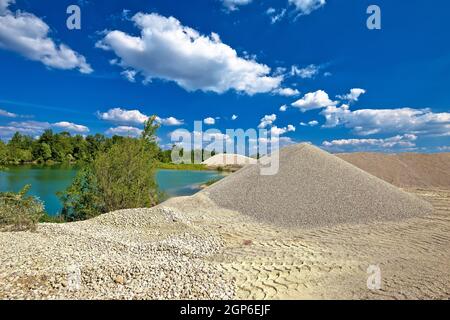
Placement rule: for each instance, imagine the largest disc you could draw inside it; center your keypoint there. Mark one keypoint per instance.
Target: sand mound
(406, 169)
(224, 159)
(314, 188)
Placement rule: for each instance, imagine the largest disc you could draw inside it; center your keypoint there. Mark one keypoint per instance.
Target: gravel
(129, 254)
(229, 160)
(314, 188)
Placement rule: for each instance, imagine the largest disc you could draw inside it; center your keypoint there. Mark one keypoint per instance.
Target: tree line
(61, 147)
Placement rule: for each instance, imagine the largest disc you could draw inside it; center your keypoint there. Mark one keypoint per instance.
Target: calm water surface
(46, 181)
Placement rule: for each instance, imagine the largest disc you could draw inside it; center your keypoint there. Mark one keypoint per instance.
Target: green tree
(83, 199)
(120, 177)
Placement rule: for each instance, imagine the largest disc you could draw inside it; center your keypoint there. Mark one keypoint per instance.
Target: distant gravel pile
(224, 159)
(314, 188)
(405, 169)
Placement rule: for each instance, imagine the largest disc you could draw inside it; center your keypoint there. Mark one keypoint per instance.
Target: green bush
(19, 212)
(121, 177)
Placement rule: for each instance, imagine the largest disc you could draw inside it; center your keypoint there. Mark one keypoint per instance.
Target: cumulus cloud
(305, 73)
(283, 108)
(305, 7)
(125, 131)
(209, 121)
(314, 100)
(353, 95)
(31, 128)
(267, 120)
(378, 121)
(277, 131)
(71, 127)
(4, 4)
(171, 121)
(399, 141)
(7, 114)
(119, 115)
(234, 117)
(28, 35)
(287, 92)
(35, 128)
(312, 123)
(234, 5)
(123, 116)
(130, 75)
(170, 51)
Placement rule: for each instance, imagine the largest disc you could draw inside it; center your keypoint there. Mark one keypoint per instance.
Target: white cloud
(312, 123)
(4, 4)
(170, 51)
(72, 127)
(4, 113)
(28, 35)
(233, 5)
(287, 92)
(378, 121)
(234, 117)
(305, 7)
(171, 121)
(353, 95)
(36, 128)
(125, 131)
(210, 121)
(31, 128)
(274, 16)
(274, 130)
(444, 148)
(278, 131)
(123, 116)
(130, 75)
(305, 73)
(290, 128)
(267, 120)
(314, 100)
(402, 141)
(119, 115)
(283, 108)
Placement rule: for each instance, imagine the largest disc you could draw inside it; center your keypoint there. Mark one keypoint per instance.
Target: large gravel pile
(314, 188)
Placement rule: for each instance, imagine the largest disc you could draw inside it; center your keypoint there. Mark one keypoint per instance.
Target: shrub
(121, 177)
(19, 212)
(82, 199)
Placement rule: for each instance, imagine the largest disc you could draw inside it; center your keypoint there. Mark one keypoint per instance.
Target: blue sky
(194, 60)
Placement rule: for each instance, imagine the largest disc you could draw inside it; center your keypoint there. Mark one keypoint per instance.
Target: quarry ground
(332, 263)
(189, 248)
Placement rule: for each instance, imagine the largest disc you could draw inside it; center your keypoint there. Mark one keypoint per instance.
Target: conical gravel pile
(314, 188)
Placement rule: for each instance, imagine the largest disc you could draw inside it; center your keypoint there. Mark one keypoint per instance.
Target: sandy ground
(331, 263)
(187, 248)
